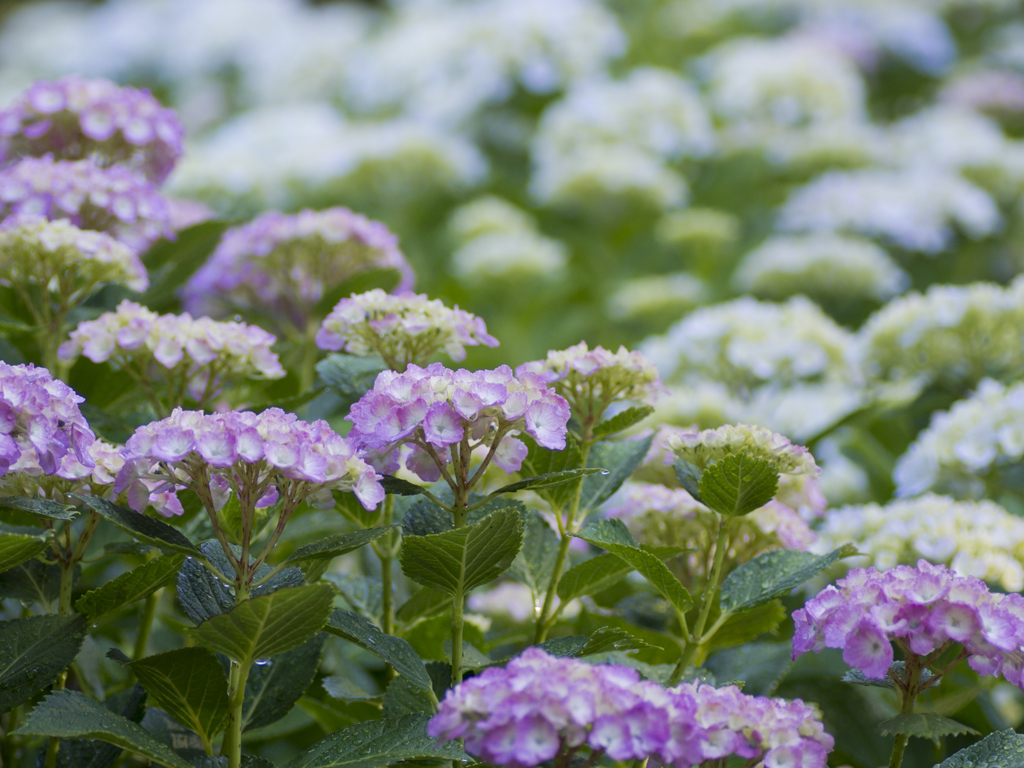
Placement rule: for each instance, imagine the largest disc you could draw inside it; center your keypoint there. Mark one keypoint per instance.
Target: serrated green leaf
(535, 562)
(71, 715)
(622, 420)
(592, 576)
(604, 640)
(16, 548)
(394, 650)
(550, 479)
(688, 476)
(188, 684)
(266, 626)
(423, 605)
(337, 545)
(363, 594)
(1003, 749)
(403, 698)
(925, 725)
(147, 530)
(465, 557)
(349, 507)
(620, 459)
(40, 507)
(129, 587)
(399, 487)
(32, 581)
(34, 651)
(738, 484)
(85, 753)
(350, 377)
(378, 742)
(743, 627)
(616, 538)
(774, 574)
(273, 688)
(543, 461)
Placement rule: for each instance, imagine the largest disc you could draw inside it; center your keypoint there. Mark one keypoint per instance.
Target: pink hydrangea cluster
(113, 200)
(40, 423)
(287, 262)
(211, 453)
(207, 352)
(433, 408)
(776, 731)
(592, 379)
(403, 328)
(922, 609)
(73, 119)
(539, 706)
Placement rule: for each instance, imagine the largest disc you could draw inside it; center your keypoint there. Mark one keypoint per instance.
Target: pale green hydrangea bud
(703, 448)
(700, 227)
(674, 293)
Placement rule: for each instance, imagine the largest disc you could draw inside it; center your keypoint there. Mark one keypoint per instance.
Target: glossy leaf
(34, 651)
(423, 605)
(129, 587)
(688, 476)
(926, 725)
(620, 459)
(273, 688)
(1001, 749)
(394, 650)
(33, 582)
(17, 547)
(738, 484)
(399, 487)
(39, 507)
(550, 479)
(143, 528)
(86, 753)
(604, 640)
(598, 573)
(337, 545)
(350, 377)
(543, 461)
(535, 562)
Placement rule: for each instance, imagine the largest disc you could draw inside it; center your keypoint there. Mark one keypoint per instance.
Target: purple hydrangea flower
(433, 408)
(404, 328)
(40, 424)
(922, 609)
(112, 200)
(75, 119)
(287, 262)
(273, 451)
(540, 706)
(777, 732)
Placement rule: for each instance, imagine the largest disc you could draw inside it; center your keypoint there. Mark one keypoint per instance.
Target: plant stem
(458, 600)
(307, 369)
(146, 625)
(237, 678)
(387, 557)
(913, 679)
(67, 580)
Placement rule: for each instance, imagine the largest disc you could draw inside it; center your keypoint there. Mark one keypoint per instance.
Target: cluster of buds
(703, 448)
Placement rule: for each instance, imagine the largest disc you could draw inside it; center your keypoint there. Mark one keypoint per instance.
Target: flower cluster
(215, 453)
(539, 706)
(60, 257)
(711, 445)
(204, 352)
(775, 732)
(73, 119)
(433, 408)
(403, 328)
(952, 334)
(974, 538)
(923, 609)
(820, 266)
(286, 263)
(966, 445)
(674, 294)
(40, 424)
(592, 379)
(113, 200)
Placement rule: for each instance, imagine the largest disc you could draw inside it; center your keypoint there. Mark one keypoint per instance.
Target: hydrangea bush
(715, 360)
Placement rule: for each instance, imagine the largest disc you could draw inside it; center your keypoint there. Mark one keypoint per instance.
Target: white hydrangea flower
(951, 334)
(915, 208)
(843, 481)
(974, 538)
(486, 215)
(509, 253)
(676, 292)
(967, 445)
(822, 266)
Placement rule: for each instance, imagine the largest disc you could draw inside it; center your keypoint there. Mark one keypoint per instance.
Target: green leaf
(688, 476)
(550, 479)
(535, 562)
(1002, 749)
(925, 725)
(743, 627)
(423, 605)
(129, 587)
(899, 668)
(774, 574)
(349, 507)
(394, 650)
(425, 517)
(170, 263)
(71, 715)
(147, 530)
(616, 538)
(399, 487)
(111, 428)
(620, 459)
(364, 595)
(16, 548)
(84, 753)
(361, 282)
(248, 761)
(189, 685)
(40, 507)
(759, 666)
(342, 688)
(738, 484)
(33, 652)
(290, 403)
(273, 688)
(377, 743)
(32, 581)
(544, 461)
(622, 420)
(336, 545)
(604, 640)
(592, 576)
(466, 557)
(266, 626)
(350, 377)
(403, 698)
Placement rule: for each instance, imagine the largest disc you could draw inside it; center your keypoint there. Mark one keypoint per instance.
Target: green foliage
(339, 544)
(738, 484)
(620, 421)
(170, 263)
(34, 651)
(535, 562)
(604, 640)
(620, 459)
(129, 587)
(1002, 749)
(51, 510)
(17, 546)
(925, 725)
(31, 582)
(550, 480)
(544, 461)
(394, 650)
(350, 377)
(743, 627)
(466, 557)
(144, 529)
(276, 684)
(85, 753)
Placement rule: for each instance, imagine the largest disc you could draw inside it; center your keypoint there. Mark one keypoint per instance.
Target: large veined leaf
(19, 545)
(129, 587)
(926, 725)
(535, 562)
(378, 742)
(738, 484)
(34, 651)
(394, 650)
(1003, 749)
(40, 507)
(145, 529)
(622, 420)
(71, 715)
(266, 626)
(33, 581)
(468, 556)
(350, 377)
(620, 459)
(188, 684)
(423, 605)
(774, 574)
(339, 544)
(604, 640)
(544, 461)
(86, 753)
(273, 688)
(600, 572)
